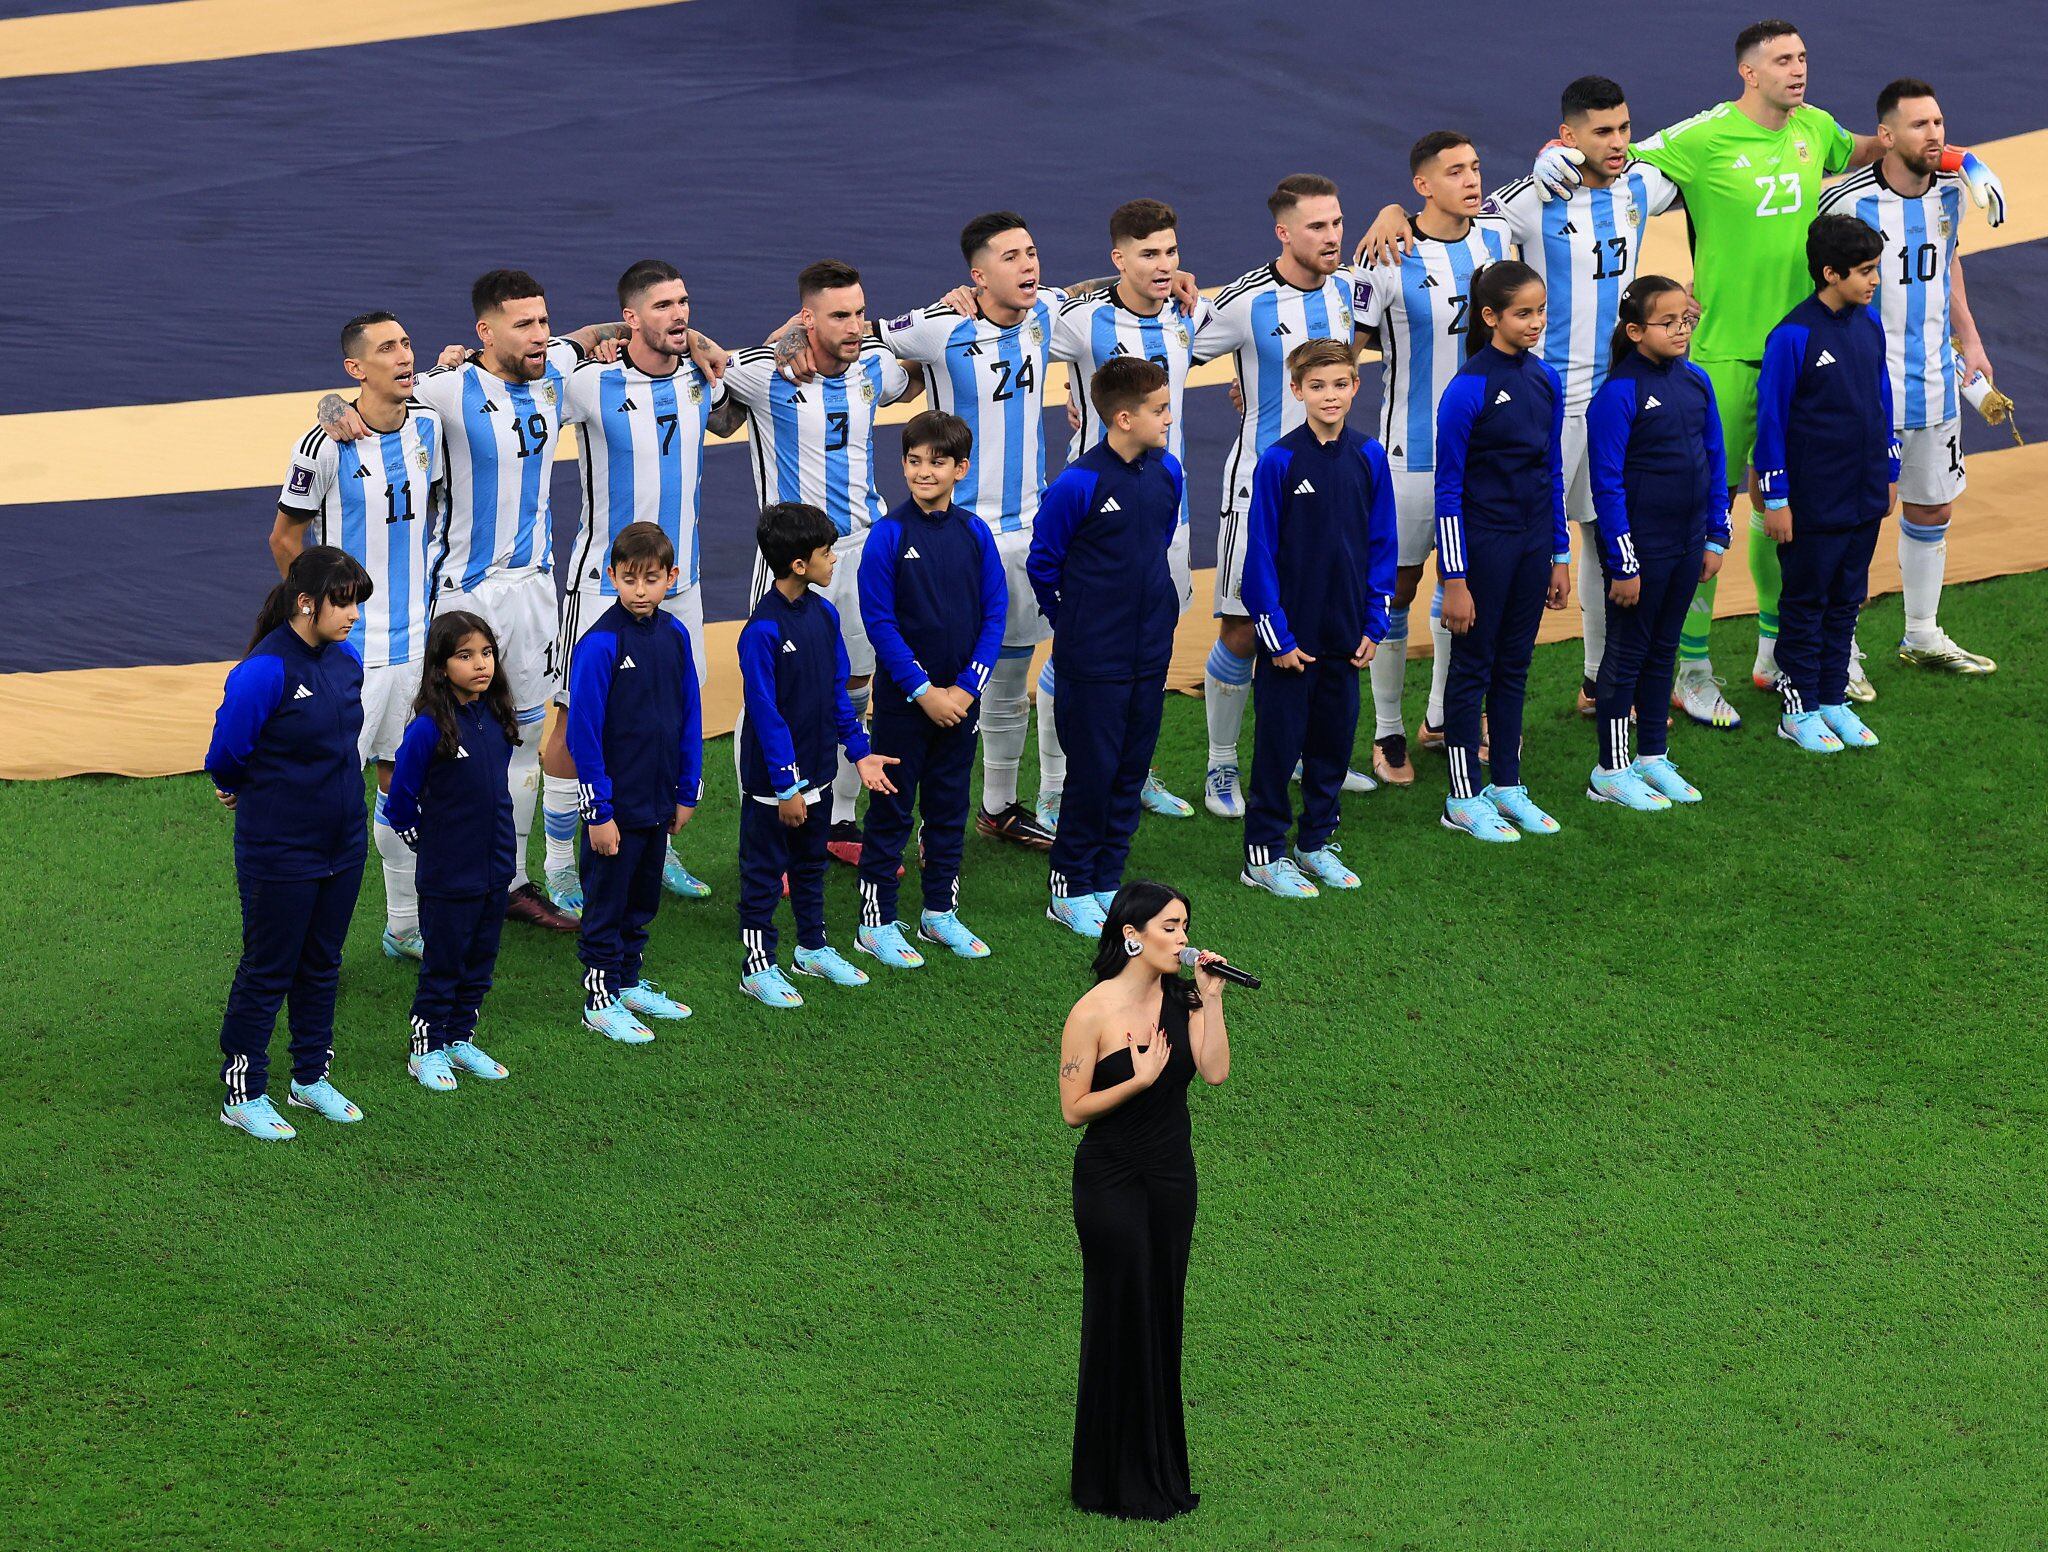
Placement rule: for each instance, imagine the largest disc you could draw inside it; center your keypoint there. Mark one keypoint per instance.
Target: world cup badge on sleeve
(301, 482)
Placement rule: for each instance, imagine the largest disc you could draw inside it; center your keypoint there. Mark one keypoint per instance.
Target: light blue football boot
(1810, 731)
(828, 964)
(259, 1118)
(648, 1000)
(1326, 867)
(410, 946)
(1627, 788)
(476, 1061)
(1049, 810)
(1515, 805)
(887, 944)
(679, 880)
(324, 1100)
(1478, 818)
(565, 890)
(1079, 914)
(946, 927)
(1158, 800)
(1281, 877)
(615, 1021)
(1848, 727)
(1660, 775)
(434, 1071)
(771, 987)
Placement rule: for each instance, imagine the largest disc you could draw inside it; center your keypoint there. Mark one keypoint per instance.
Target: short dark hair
(1433, 145)
(1839, 243)
(1138, 218)
(353, 331)
(1590, 94)
(791, 531)
(1296, 187)
(1310, 354)
(499, 286)
(1898, 91)
(643, 276)
(825, 275)
(639, 543)
(982, 230)
(1760, 32)
(1123, 383)
(940, 434)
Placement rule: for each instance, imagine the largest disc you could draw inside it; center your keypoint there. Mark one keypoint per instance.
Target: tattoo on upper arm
(1071, 1067)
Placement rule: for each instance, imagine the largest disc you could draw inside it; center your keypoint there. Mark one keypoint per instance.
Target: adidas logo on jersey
(1429, 282)
(797, 397)
(1304, 489)
(1568, 230)
(628, 405)
(1825, 358)
(789, 646)
(1281, 328)
(627, 662)
(973, 348)
(911, 554)
(1111, 506)
(1652, 402)
(1119, 351)
(302, 693)
(1740, 161)
(1501, 397)
(361, 472)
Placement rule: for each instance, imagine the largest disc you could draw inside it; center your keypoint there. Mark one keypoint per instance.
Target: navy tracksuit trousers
(1508, 573)
(1827, 577)
(621, 893)
(1310, 715)
(1642, 657)
(933, 769)
(1110, 729)
(461, 933)
(769, 850)
(292, 933)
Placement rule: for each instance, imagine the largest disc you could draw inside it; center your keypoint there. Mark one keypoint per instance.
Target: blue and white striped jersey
(1586, 249)
(374, 497)
(501, 461)
(1093, 329)
(1258, 318)
(1921, 235)
(994, 379)
(643, 461)
(1419, 307)
(815, 442)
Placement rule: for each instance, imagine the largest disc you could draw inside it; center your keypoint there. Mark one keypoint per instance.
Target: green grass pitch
(1675, 1183)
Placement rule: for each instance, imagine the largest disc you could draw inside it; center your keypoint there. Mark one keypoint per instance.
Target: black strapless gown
(1134, 1209)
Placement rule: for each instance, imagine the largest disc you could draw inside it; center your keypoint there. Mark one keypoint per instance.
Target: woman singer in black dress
(1132, 1045)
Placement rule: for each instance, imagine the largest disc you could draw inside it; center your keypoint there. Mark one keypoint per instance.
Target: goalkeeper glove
(1557, 171)
(1980, 180)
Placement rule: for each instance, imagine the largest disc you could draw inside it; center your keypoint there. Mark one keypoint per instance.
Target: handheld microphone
(1191, 957)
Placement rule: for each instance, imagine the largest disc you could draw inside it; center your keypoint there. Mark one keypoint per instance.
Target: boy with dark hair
(1318, 569)
(1098, 567)
(635, 729)
(1827, 465)
(793, 671)
(934, 598)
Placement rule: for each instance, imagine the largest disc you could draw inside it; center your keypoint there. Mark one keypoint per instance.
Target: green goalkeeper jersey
(1750, 194)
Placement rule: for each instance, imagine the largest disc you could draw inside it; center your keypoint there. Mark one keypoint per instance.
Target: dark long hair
(437, 697)
(1635, 309)
(1493, 285)
(1135, 905)
(319, 572)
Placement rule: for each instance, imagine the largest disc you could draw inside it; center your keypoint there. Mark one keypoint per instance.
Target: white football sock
(846, 782)
(524, 778)
(560, 818)
(1005, 719)
(1592, 598)
(1440, 660)
(1052, 759)
(1226, 686)
(1923, 561)
(401, 891)
(1389, 671)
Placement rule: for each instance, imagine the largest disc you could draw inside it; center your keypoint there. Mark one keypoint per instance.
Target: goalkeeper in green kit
(1751, 173)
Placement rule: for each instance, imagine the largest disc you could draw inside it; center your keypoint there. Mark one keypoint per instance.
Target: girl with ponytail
(1654, 455)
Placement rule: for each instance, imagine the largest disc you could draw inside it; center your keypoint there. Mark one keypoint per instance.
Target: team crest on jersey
(696, 393)
(1804, 154)
(1943, 227)
(1180, 330)
(867, 392)
(1635, 216)
(1037, 332)
(547, 394)
(419, 456)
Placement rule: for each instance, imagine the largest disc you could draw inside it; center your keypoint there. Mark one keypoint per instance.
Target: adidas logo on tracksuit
(1304, 489)
(1111, 506)
(627, 662)
(1825, 358)
(302, 693)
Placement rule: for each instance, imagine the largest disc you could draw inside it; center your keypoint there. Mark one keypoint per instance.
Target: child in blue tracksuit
(451, 802)
(284, 758)
(1502, 544)
(934, 599)
(1318, 568)
(1098, 567)
(1653, 441)
(797, 715)
(636, 732)
(1827, 462)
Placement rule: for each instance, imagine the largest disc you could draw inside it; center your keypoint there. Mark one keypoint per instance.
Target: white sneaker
(1936, 650)
(1699, 697)
(1860, 688)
